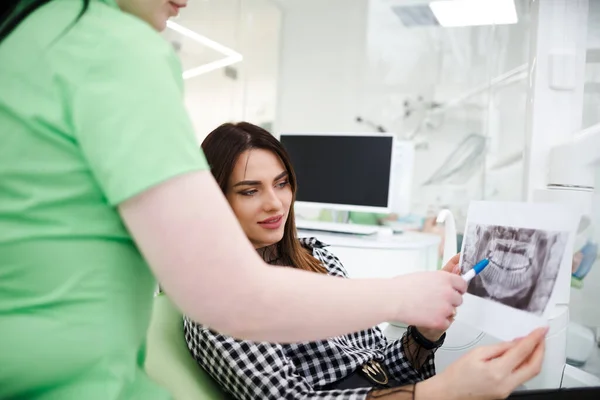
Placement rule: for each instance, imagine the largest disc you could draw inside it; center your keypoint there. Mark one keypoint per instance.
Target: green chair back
(168, 360)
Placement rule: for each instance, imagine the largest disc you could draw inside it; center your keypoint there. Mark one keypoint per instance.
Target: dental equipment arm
(571, 169)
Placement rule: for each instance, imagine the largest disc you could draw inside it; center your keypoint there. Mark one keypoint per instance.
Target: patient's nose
(272, 202)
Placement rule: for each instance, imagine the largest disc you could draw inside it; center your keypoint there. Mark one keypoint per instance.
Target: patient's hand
(452, 267)
(499, 369)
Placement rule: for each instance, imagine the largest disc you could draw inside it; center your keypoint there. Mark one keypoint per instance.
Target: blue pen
(472, 273)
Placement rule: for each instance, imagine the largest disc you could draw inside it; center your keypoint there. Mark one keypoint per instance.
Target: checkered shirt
(251, 370)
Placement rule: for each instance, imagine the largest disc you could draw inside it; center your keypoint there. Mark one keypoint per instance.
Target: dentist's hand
(489, 372)
(434, 335)
(429, 299)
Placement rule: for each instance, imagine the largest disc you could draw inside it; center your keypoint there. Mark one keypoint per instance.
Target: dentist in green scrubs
(103, 192)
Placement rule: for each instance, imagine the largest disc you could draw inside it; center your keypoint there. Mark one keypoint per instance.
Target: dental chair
(168, 361)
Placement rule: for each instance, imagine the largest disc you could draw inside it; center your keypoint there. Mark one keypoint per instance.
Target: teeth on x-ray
(524, 264)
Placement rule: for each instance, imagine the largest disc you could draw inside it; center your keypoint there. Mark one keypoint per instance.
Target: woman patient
(257, 178)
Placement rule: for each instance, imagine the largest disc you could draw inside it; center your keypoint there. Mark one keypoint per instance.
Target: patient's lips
(272, 222)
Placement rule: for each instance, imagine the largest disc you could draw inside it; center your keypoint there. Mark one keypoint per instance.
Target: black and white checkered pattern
(250, 370)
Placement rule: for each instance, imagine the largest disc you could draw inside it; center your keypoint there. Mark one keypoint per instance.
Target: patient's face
(260, 195)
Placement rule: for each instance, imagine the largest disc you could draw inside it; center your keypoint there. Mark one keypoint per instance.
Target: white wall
(252, 28)
(211, 100)
(321, 62)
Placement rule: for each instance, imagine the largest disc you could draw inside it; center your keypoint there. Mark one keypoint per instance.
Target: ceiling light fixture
(231, 56)
(474, 12)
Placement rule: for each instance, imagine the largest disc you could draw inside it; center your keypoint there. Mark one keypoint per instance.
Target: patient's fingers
(455, 259)
(522, 350)
(452, 264)
(492, 352)
(531, 367)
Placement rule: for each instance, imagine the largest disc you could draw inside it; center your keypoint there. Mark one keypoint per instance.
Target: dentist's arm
(204, 262)
(138, 142)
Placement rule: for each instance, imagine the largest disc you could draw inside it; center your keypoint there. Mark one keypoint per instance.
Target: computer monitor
(343, 171)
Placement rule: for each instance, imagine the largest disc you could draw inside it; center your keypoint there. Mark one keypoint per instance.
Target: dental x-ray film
(529, 247)
(523, 266)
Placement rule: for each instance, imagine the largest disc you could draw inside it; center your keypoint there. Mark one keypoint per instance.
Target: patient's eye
(249, 192)
(282, 184)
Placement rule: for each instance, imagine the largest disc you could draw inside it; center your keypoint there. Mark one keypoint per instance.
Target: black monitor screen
(343, 170)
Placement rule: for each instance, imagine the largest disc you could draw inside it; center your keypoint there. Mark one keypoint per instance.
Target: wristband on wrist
(423, 341)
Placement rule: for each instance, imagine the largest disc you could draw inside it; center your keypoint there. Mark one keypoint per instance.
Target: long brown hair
(222, 148)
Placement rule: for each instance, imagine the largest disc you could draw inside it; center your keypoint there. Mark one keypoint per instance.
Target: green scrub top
(91, 114)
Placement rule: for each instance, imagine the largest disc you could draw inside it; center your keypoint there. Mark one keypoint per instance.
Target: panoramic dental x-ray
(524, 264)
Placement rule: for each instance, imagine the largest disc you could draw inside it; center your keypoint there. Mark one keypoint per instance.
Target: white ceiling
(252, 27)
(233, 22)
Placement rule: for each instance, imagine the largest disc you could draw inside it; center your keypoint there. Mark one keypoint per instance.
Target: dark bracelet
(423, 341)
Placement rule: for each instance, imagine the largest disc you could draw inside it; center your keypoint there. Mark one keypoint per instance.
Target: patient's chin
(271, 238)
